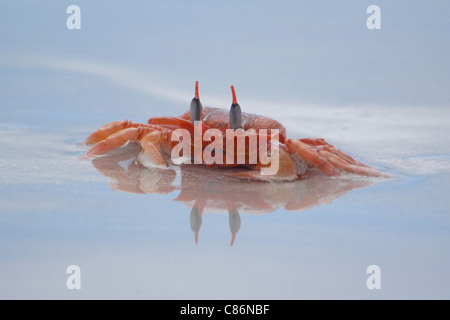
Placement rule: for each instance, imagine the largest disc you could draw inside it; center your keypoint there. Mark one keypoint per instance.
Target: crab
(295, 156)
(213, 191)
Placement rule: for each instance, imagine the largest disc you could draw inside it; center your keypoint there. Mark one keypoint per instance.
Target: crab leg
(322, 144)
(310, 155)
(342, 160)
(114, 141)
(328, 159)
(349, 167)
(109, 129)
(172, 123)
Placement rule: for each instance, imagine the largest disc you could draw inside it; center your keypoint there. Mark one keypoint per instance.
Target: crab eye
(235, 113)
(196, 106)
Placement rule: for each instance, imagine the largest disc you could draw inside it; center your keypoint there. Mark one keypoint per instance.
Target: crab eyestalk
(235, 112)
(196, 106)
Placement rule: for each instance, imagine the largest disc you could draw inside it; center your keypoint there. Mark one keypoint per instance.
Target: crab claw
(196, 106)
(235, 113)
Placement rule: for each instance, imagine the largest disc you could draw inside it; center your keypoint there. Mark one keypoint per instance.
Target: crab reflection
(213, 190)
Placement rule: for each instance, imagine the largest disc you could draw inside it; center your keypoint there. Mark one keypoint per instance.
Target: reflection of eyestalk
(235, 223)
(196, 221)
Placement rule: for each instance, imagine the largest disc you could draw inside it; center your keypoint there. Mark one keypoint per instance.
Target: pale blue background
(381, 95)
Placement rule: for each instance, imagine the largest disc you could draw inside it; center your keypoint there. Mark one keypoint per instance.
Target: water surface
(381, 96)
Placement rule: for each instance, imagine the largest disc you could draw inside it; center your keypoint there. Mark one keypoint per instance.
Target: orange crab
(295, 156)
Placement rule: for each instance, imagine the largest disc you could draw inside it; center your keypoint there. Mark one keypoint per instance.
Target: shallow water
(132, 230)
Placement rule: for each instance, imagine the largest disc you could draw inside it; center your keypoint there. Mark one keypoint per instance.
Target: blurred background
(380, 95)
